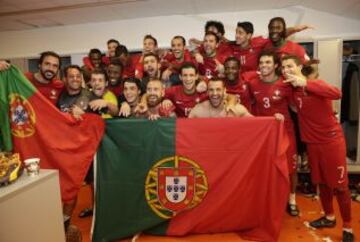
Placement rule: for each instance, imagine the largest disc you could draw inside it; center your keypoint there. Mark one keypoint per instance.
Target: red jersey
(224, 48)
(183, 102)
(271, 98)
(86, 60)
(169, 61)
(117, 90)
(241, 89)
(131, 68)
(317, 120)
(208, 68)
(51, 90)
(249, 57)
(289, 48)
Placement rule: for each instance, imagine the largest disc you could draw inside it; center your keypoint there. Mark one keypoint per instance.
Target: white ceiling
(30, 14)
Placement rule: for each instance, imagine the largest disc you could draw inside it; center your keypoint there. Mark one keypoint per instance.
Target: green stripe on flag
(12, 81)
(126, 154)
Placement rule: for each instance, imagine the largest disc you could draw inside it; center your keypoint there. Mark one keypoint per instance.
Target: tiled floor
(294, 229)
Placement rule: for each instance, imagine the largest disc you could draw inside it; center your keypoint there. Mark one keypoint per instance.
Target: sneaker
(292, 210)
(323, 222)
(348, 237)
(86, 213)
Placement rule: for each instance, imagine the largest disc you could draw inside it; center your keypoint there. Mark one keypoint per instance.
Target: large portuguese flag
(34, 127)
(186, 176)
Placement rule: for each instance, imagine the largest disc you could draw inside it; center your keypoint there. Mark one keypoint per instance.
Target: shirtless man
(215, 106)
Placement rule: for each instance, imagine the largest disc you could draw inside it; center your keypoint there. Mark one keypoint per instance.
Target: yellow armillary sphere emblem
(175, 184)
(22, 116)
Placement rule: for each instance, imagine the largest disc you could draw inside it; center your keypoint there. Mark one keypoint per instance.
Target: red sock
(326, 197)
(344, 200)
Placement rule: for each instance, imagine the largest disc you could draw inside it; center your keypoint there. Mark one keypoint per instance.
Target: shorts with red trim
(328, 163)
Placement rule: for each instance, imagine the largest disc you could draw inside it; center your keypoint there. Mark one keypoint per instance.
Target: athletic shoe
(292, 210)
(86, 213)
(348, 237)
(323, 222)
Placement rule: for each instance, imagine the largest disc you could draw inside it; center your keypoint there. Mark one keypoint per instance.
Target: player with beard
(215, 106)
(155, 92)
(171, 62)
(236, 82)
(273, 97)
(278, 42)
(247, 48)
(150, 45)
(323, 135)
(45, 80)
(211, 60)
(151, 67)
(115, 71)
(184, 97)
(216, 27)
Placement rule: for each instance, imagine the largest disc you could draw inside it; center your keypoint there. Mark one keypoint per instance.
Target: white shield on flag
(175, 188)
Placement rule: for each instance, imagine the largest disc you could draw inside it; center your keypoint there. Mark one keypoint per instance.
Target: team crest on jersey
(276, 95)
(22, 116)
(175, 184)
(53, 93)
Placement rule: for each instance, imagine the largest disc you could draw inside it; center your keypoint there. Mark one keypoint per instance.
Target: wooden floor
(293, 229)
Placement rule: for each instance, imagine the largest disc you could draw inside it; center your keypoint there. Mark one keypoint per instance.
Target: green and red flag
(33, 127)
(189, 176)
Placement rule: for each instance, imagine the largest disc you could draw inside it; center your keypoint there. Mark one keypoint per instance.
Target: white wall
(80, 38)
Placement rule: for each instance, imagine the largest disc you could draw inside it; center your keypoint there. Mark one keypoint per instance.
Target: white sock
(348, 230)
(330, 217)
(292, 199)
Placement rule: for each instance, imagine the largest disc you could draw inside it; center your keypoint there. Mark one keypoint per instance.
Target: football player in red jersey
(211, 61)
(184, 97)
(216, 27)
(321, 131)
(129, 62)
(115, 71)
(236, 82)
(247, 48)
(45, 80)
(91, 62)
(279, 44)
(155, 92)
(272, 97)
(172, 61)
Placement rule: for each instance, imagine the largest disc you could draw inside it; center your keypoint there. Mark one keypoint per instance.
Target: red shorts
(328, 163)
(291, 152)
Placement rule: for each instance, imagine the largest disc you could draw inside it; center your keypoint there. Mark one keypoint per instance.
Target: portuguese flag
(191, 176)
(33, 127)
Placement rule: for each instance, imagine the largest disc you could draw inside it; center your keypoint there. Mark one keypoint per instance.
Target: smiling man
(185, 97)
(172, 61)
(278, 42)
(73, 94)
(215, 106)
(45, 80)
